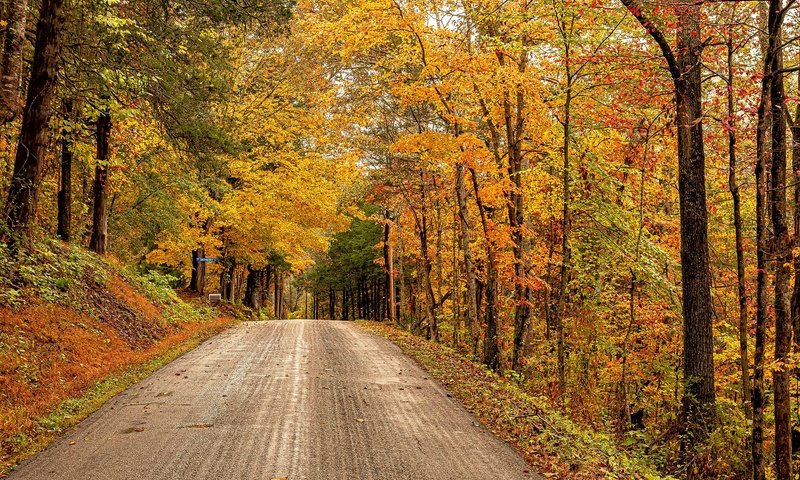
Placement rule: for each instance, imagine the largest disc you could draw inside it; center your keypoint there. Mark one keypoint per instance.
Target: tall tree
(698, 340)
(99, 239)
(64, 231)
(781, 243)
(32, 144)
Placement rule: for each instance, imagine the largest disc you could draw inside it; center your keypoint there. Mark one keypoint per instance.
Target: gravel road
(296, 399)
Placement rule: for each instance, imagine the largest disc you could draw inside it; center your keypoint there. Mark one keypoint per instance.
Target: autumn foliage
(593, 198)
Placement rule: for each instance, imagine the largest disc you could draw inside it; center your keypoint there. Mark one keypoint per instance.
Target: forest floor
(552, 444)
(75, 330)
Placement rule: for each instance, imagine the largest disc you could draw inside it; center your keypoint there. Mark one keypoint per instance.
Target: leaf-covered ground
(552, 444)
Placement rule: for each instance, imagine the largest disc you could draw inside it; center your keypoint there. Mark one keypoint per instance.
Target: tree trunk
(698, 343)
(278, 293)
(733, 186)
(491, 351)
(762, 255)
(65, 181)
(566, 225)
(11, 68)
(625, 407)
(389, 267)
(228, 281)
(345, 304)
(759, 394)
(331, 303)
(197, 282)
(402, 311)
(32, 143)
(427, 267)
(515, 123)
(266, 279)
(99, 239)
(782, 250)
(195, 267)
(252, 296)
(469, 266)
(353, 302)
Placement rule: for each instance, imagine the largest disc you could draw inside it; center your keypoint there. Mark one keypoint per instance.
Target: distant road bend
(296, 399)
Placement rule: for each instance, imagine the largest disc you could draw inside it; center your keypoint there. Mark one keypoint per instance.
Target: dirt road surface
(295, 399)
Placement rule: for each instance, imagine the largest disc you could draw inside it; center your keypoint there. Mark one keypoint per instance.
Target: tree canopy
(597, 198)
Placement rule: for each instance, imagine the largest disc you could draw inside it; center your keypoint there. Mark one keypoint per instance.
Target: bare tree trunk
(427, 267)
(733, 186)
(278, 293)
(566, 226)
(388, 259)
(698, 354)
(795, 302)
(625, 409)
(782, 250)
(762, 279)
(11, 67)
(331, 303)
(99, 240)
(252, 297)
(469, 266)
(65, 180)
(491, 353)
(699, 396)
(20, 207)
(403, 309)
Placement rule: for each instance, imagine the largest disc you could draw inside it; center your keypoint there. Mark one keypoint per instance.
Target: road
(297, 399)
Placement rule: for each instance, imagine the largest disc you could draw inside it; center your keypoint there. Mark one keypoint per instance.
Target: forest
(597, 199)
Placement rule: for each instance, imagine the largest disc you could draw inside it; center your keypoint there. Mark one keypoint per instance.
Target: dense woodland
(599, 199)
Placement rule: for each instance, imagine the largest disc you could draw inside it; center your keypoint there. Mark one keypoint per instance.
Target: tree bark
(566, 226)
(698, 341)
(388, 259)
(514, 119)
(427, 267)
(698, 344)
(278, 294)
(762, 242)
(733, 186)
(252, 295)
(491, 352)
(469, 266)
(65, 180)
(782, 250)
(11, 68)
(403, 308)
(20, 207)
(99, 240)
(331, 303)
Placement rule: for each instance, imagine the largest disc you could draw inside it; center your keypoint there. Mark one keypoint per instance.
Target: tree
(21, 202)
(699, 394)
(11, 66)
